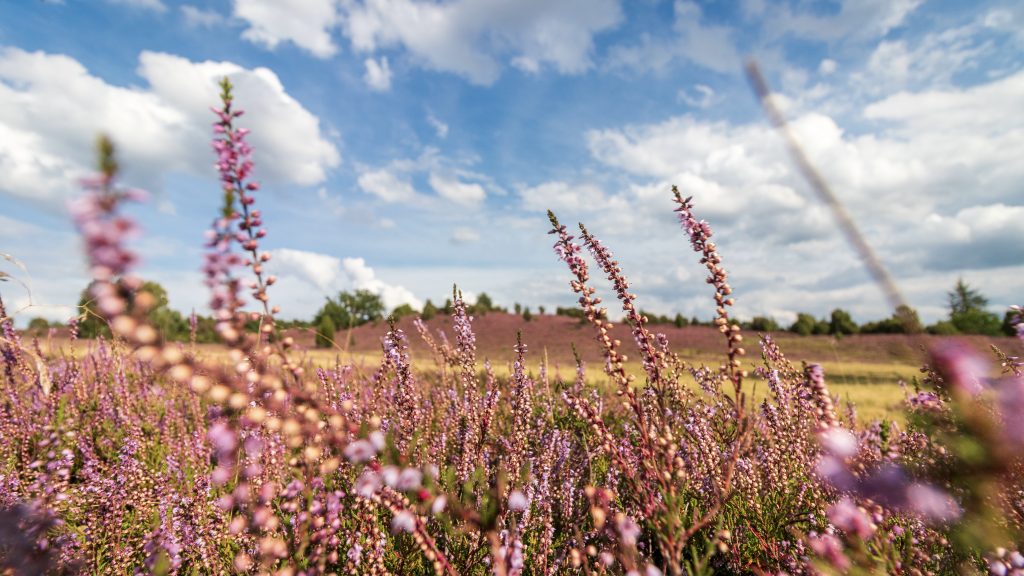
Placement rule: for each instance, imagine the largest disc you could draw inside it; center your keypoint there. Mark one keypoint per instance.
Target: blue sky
(406, 145)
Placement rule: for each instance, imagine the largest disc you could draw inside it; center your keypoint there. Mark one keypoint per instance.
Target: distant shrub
(429, 310)
(841, 323)
(325, 331)
(764, 324)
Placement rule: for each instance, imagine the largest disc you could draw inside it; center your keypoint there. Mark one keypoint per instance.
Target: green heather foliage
(134, 455)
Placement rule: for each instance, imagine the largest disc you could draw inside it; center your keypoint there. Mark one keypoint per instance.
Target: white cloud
(558, 196)
(710, 46)
(155, 5)
(469, 37)
(440, 128)
(465, 236)
(52, 108)
(468, 194)
(863, 19)
(949, 153)
(200, 18)
(305, 23)
(387, 186)
(330, 275)
(705, 97)
(827, 66)
(378, 74)
(330, 202)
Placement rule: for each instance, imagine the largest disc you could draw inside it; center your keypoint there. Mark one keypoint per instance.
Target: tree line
(968, 314)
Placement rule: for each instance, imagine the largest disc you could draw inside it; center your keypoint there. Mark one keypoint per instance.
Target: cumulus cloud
(470, 37)
(200, 18)
(305, 23)
(330, 275)
(52, 108)
(863, 19)
(378, 74)
(935, 187)
(385, 185)
(468, 194)
(710, 46)
(464, 236)
(154, 5)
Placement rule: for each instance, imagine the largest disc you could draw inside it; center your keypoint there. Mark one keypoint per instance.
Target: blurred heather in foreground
(138, 458)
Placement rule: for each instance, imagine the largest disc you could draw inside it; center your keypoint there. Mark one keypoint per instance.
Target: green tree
(842, 323)
(681, 321)
(540, 310)
(429, 310)
(527, 315)
(518, 308)
(351, 309)
(325, 331)
(168, 322)
(943, 328)
(764, 324)
(963, 298)
(903, 321)
(363, 306)
(483, 304)
(804, 324)
(968, 314)
(1010, 321)
(402, 311)
(38, 326)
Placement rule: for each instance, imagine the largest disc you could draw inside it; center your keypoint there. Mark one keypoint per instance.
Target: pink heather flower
(403, 521)
(390, 475)
(439, 504)
(932, 504)
(360, 451)
(961, 367)
(368, 483)
(830, 549)
(834, 471)
(355, 554)
(629, 531)
(849, 518)
(925, 401)
(839, 442)
(652, 570)
(517, 501)
(222, 437)
(1010, 402)
(1016, 559)
(409, 479)
(378, 440)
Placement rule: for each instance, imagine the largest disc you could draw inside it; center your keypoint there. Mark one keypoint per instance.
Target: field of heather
(470, 440)
(478, 445)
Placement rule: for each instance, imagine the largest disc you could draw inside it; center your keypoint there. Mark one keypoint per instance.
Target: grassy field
(872, 387)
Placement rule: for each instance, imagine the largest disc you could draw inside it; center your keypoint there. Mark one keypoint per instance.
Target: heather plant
(137, 456)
